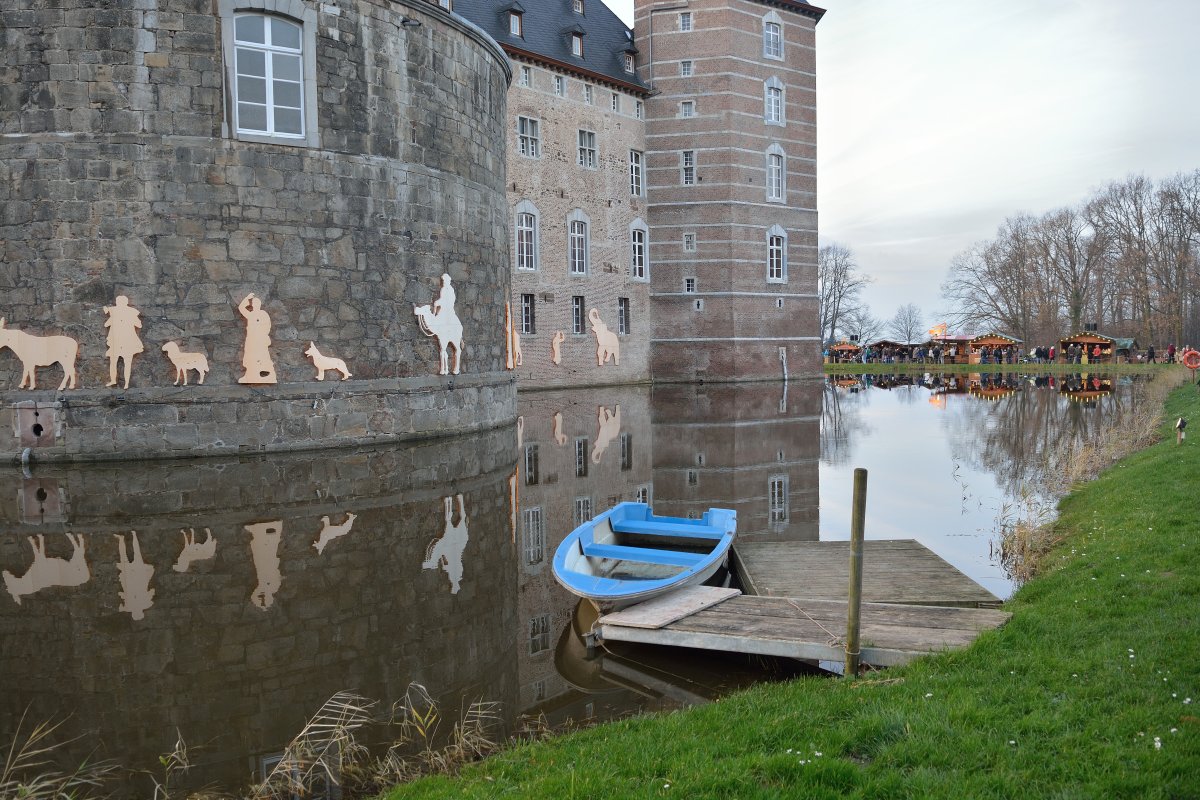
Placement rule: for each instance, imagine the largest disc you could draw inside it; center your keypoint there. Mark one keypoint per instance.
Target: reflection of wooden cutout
(42, 501)
(509, 359)
(556, 346)
(185, 361)
(322, 362)
(609, 423)
(520, 431)
(264, 548)
(441, 321)
(123, 340)
(49, 571)
(194, 552)
(556, 428)
(40, 351)
(331, 532)
(607, 344)
(256, 356)
(135, 574)
(512, 505)
(518, 359)
(448, 550)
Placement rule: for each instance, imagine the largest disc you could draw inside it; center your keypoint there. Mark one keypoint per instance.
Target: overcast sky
(936, 120)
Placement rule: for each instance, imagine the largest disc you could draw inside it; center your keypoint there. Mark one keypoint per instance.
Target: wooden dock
(723, 619)
(894, 571)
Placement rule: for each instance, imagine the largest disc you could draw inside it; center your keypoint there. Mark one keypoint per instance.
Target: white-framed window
(687, 68)
(687, 108)
(577, 44)
(773, 36)
(539, 633)
(689, 243)
(581, 459)
(642, 494)
(583, 510)
(639, 109)
(528, 315)
(577, 5)
(616, 103)
(529, 139)
(627, 452)
(693, 477)
(685, 21)
(636, 173)
(514, 23)
(587, 150)
(689, 285)
(271, 63)
(578, 242)
(773, 101)
(776, 255)
(589, 95)
(531, 465)
(560, 85)
(630, 63)
(526, 78)
(687, 165)
(533, 532)
(623, 320)
(577, 316)
(776, 174)
(527, 236)
(778, 498)
(639, 256)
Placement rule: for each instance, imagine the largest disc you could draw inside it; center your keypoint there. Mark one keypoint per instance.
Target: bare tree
(838, 285)
(858, 323)
(907, 325)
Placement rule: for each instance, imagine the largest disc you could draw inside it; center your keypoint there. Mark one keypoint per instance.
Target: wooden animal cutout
(609, 424)
(447, 551)
(40, 351)
(556, 429)
(607, 344)
(256, 355)
(441, 321)
(185, 361)
(329, 532)
(46, 571)
(323, 363)
(123, 341)
(194, 552)
(520, 431)
(264, 549)
(513, 358)
(556, 346)
(135, 574)
(513, 504)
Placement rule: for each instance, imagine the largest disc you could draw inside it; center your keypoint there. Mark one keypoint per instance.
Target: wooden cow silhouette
(194, 552)
(46, 571)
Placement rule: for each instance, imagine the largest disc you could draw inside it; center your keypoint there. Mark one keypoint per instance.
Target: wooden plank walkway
(894, 571)
(810, 629)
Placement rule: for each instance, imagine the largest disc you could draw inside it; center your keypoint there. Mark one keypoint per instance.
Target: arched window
(773, 36)
(776, 255)
(773, 106)
(527, 236)
(270, 61)
(578, 242)
(639, 243)
(776, 174)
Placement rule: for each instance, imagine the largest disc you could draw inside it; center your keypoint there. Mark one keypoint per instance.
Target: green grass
(1027, 369)
(1065, 701)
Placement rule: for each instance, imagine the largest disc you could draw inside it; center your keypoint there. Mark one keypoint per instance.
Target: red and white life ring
(1191, 359)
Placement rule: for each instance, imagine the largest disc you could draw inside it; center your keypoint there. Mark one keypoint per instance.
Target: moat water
(223, 600)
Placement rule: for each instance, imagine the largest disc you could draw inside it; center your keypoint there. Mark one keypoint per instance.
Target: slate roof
(547, 27)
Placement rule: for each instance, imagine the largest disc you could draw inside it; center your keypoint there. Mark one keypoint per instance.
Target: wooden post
(854, 597)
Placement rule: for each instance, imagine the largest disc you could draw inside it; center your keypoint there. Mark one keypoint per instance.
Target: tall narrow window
(689, 243)
(576, 45)
(773, 102)
(639, 109)
(560, 85)
(616, 103)
(588, 94)
(578, 244)
(773, 36)
(776, 255)
(534, 534)
(685, 21)
(529, 141)
(623, 316)
(688, 165)
(528, 315)
(687, 108)
(269, 68)
(531, 465)
(630, 63)
(635, 173)
(775, 173)
(583, 510)
(637, 239)
(514, 23)
(577, 315)
(778, 502)
(686, 68)
(526, 228)
(627, 452)
(526, 76)
(578, 6)
(587, 150)
(539, 633)
(581, 458)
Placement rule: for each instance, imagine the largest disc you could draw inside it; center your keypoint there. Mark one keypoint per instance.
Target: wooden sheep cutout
(441, 321)
(325, 363)
(40, 351)
(607, 344)
(185, 361)
(123, 341)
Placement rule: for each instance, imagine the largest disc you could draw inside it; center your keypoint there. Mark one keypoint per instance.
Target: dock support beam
(854, 596)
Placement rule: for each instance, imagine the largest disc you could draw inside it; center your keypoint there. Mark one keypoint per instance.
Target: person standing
(1151, 358)
(256, 355)
(1171, 353)
(123, 341)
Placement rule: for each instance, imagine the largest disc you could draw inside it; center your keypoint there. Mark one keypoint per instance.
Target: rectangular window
(588, 93)
(514, 23)
(268, 69)
(693, 478)
(528, 320)
(576, 45)
(446, 4)
(577, 315)
(577, 246)
(583, 510)
(772, 40)
(531, 465)
(687, 108)
(639, 109)
(560, 85)
(581, 458)
(686, 68)
(688, 160)
(776, 263)
(616, 103)
(635, 173)
(774, 105)
(689, 285)
(689, 243)
(539, 634)
(629, 62)
(587, 149)
(642, 495)
(526, 242)
(529, 142)
(685, 21)
(774, 176)
(637, 264)
(623, 315)
(778, 508)
(534, 534)
(627, 452)
(578, 6)
(526, 76)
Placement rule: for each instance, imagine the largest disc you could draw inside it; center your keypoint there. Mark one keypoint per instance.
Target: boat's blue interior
(637, 518)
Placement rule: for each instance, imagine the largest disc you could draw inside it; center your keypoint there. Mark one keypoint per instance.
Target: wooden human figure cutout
(329, 531)
(40, 351)
(256, 355)
(609, 424)
(441, 321)
(520, 431)
(193, 551)
(264, 549)
(46, 571)
(123, 341)
(556, 429)
(607, 344)
(447, 551)
(556, 346)
(135, 574)
(512, 504)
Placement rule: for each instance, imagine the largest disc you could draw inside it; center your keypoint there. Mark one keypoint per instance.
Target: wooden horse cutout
(46, 571)
(441, 321)
(40, 351)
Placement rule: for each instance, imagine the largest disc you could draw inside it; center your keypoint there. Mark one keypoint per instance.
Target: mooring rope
(833, 637)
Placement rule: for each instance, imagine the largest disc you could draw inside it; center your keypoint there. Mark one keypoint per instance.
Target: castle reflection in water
(225, 599)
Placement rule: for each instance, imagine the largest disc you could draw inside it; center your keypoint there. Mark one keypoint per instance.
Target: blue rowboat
(628, 554)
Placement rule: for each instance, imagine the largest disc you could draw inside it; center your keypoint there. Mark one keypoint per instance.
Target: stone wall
(119, 175)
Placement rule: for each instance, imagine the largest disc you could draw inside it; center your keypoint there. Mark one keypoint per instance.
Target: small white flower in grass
(1013, 742)
(1187, 701)
(818, 755)
(1141, 733)
(1157, 743)
(930, 694)
(666, 786)
(1174, 730)
(789, 749)
(1172, 693)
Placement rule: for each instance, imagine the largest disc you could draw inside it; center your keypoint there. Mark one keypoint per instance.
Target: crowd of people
(935, 353)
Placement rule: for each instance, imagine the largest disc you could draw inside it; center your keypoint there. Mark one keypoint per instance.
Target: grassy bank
(1091, 691)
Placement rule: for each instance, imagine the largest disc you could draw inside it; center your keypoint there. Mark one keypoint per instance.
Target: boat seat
(645, 555)
(665, 528)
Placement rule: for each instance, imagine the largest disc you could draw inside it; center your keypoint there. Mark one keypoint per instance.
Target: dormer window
(577, 44)
(578, 6)
(514, 23)
(629, 62)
